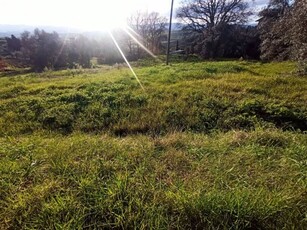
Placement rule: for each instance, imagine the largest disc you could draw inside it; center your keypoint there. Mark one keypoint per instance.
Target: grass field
(207, 145)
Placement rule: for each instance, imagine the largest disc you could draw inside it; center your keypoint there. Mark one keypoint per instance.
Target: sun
(99, 15)
(86, 15)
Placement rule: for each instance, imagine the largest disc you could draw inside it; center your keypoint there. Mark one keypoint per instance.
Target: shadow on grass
(14, 72)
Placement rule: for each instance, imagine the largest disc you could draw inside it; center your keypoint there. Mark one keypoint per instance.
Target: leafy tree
(13, 43)
(41, 49)
(239, 41)
(210, 18)
(108, 52)
(80, 51)
(3, 47)
(235, 41)
(27, 47)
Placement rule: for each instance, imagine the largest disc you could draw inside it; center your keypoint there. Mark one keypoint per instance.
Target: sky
(89, 14)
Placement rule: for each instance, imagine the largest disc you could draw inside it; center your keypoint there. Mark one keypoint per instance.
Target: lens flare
(133, 31)
(62, 48)
(124, 57)
(137, 41)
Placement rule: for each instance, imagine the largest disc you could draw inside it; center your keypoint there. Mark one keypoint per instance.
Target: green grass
(208, 145)
(197, 97)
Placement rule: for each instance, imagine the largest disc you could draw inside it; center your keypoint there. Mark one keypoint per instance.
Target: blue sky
(89, 14)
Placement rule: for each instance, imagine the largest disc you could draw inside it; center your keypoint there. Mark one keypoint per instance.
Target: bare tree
(150, 27)
(135, 21)
(274, 19)
(298, 32)
(209, 17)
(152, 30)
(283, 32)
(201, 15)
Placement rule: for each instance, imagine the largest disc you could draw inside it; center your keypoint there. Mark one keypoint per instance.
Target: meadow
(205, 145)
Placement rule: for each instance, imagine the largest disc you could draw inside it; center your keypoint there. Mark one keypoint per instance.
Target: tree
(3, 48)
(283, 31)
(13, 44)
(150, 28)
(41, 49)
(240, 41)
(235, 41)
(80, 51)
(298, 33)
(272, 25)
(210, 18)
(135, 21)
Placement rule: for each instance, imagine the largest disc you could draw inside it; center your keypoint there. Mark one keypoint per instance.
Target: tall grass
(238, 180)
(215, 145)
(200, 97)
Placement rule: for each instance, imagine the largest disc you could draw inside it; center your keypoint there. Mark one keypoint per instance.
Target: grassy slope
(208, 145)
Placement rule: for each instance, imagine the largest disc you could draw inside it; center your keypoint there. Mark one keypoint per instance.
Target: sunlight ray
(138, 42)
(133, 31)
(124, 57)
(62, 48)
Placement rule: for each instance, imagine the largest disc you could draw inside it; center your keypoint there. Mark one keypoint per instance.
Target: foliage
(13, 44)
(211, 19)
(42, 50)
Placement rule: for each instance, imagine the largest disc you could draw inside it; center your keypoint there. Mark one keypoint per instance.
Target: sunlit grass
(208, 145)
(236, 179)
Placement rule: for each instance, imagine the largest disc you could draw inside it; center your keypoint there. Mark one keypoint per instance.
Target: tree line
(43, 50)
(218, 29)
(211, 29)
